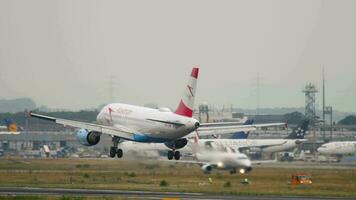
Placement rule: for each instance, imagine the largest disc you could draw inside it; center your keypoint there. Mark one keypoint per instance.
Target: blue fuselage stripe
(148, 139)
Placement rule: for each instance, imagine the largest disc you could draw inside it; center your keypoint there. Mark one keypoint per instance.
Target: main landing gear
(114, 150)
(173, 154)
(233, 171)
(173, 145)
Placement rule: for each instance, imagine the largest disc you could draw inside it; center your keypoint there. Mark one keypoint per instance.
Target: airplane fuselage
(151, 125)
(338, 148)
(265, 145)
(225, 160)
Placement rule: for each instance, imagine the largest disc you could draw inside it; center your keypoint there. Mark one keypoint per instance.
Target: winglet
(186, 104)
(195, 72)
(11, 125)
(42, 117)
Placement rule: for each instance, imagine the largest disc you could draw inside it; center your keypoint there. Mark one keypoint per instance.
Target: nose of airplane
(245, 166)
(245, 163)
(320, 150)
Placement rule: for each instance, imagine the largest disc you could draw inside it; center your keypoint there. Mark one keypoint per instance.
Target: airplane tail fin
(195, 144)
(11, 125)
(300, 131)
(242, 134)
(186, 104)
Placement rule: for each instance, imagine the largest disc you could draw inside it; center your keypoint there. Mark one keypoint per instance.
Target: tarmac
(30, 191)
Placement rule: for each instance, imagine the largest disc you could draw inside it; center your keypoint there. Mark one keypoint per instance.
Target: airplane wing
(9, 133)
(190, 162)
(220, 130)
(226, 124)
(268, 145)
(261, 162)
(242, 145)
(195, 162)
(206, 129)
(119, 131)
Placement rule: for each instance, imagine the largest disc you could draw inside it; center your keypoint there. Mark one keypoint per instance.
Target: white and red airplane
(147, 125)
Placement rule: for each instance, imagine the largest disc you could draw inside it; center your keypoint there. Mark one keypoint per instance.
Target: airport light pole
(323, 104)
(329, 111)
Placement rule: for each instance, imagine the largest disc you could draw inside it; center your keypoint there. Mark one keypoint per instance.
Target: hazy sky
(62, 53)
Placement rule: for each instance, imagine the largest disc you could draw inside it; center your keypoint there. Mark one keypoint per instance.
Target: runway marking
(142, 194)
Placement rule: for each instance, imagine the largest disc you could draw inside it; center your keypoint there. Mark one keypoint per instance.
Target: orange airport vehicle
(301, 179)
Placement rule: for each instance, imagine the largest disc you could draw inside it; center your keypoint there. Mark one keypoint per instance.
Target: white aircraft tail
(194, 144)
(186, 105)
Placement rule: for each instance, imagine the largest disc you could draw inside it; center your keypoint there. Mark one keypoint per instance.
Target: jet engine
(207, 168)
(88, 138)
(176, 144)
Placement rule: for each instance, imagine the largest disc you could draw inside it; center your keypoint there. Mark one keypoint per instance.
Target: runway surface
(139, 194)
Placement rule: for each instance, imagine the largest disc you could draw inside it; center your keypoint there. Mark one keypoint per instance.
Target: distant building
(55, 140)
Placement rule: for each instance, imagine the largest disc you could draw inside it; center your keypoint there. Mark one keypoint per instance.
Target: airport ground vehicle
(301, 179)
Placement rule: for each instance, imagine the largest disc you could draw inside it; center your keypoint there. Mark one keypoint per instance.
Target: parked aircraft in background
(242, 134)
(154, 149)
(147, 125)
(210, 159)
(232, 161)
(338, 148)
(262, 145)
(10, 128)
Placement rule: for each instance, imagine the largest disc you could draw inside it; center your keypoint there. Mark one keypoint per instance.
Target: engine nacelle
(207, 168)
(176, 144)
(88, 138)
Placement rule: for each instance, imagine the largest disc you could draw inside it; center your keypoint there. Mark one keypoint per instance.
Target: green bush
(152, 166)
(163, 183)
(131, 174)
(86, 175)
(227, 184)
